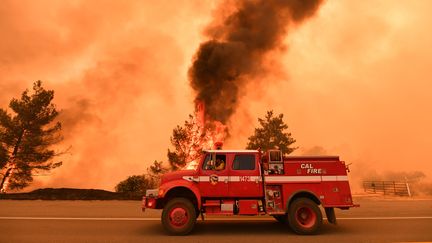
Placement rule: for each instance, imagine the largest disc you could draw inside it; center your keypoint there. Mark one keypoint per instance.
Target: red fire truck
(249, 182)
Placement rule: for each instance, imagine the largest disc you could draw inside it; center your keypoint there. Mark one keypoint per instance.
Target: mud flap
(330, 214)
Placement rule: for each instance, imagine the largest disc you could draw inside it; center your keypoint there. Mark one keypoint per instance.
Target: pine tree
(26, 137)
(187, 142)
(272, 135)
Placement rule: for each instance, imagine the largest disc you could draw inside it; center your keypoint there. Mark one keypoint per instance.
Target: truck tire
(281, 218)
(304, 216)
(179, 216)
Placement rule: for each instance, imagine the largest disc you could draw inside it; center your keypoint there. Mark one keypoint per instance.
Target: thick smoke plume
(238, 43)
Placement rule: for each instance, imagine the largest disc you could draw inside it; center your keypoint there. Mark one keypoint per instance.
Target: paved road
(377, 220)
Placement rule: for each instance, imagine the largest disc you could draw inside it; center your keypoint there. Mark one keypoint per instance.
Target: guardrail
(398, 188)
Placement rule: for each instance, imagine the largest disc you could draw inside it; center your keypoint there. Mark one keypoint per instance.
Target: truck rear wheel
(304, 216)
(179, 216)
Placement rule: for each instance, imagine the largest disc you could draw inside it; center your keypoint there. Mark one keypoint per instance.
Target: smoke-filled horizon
(237, 45)
(353, 82)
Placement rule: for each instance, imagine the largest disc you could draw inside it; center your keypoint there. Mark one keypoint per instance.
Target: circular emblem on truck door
(214, 179)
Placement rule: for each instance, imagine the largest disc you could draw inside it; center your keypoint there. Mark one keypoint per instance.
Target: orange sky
(352, 81)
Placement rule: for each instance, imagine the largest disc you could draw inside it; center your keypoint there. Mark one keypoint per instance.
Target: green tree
(27, 136)
(135, 185)
(272, 135)
(187, 142)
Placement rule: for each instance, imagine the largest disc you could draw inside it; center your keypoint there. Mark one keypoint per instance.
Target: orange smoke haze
(353, 80)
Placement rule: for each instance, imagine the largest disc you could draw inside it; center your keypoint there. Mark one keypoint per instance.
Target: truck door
(213, 178)
(245, 176)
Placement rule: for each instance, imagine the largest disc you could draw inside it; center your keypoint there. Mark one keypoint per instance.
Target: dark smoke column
(237, 47)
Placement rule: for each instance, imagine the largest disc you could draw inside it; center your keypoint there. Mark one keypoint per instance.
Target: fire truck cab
(249, 182)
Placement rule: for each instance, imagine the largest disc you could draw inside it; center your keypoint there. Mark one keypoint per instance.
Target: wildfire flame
(212, 131)
(205, 135)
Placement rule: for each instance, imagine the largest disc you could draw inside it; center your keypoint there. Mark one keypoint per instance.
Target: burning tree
(272, 135)
(196, 134)
(186, 141)
(26, 137)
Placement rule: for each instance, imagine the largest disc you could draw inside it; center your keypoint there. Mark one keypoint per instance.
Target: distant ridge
(70, 194)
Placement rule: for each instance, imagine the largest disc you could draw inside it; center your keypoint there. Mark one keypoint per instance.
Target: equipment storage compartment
(248, 207)
(274, 199)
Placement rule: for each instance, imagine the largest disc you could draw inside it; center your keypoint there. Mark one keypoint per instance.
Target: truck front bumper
(150, 199)
(148, 203)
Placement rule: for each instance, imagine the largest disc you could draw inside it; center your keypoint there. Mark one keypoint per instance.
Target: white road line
(210, 219)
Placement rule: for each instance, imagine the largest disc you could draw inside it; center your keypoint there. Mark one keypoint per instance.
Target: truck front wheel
(179, 216)
(304, 216)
